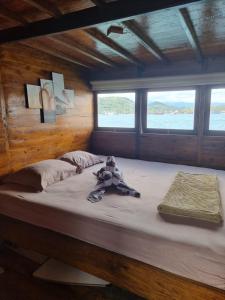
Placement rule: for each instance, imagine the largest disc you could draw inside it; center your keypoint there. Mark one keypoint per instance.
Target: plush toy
(110, 178)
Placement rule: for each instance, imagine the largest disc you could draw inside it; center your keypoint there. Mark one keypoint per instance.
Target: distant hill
(159, 108)
(180, 104)
(123, 105)
(218, 108)
(115, 105)
(170, 108)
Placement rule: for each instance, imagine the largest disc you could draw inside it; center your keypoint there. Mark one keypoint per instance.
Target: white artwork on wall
(48, 100)
(51, 97)
(33, 96)
(58, 86)
(69, 98)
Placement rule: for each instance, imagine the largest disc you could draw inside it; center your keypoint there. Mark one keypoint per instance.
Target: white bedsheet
(128, 225)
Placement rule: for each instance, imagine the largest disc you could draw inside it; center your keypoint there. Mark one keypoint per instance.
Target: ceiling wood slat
(145, 40)
(54, 52)
(75, 46)
(99, 36)
(190, 32)
(45, 6)
(99, 3)
(87, 17)
(12, 16)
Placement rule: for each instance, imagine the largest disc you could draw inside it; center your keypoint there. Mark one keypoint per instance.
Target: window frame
(115, 129)
(209, 132)
(193, 131)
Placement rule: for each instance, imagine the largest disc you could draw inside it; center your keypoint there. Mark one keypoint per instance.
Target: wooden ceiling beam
(191, 34)
(54, 52)
(145, 40)
(67, 42)
(12, 16)
(45, 6)
(118, 10)
(99, 36)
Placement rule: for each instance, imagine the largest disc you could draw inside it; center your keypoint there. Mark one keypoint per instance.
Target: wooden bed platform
(138, 277)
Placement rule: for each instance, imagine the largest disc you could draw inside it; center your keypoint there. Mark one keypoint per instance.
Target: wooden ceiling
(193, 31)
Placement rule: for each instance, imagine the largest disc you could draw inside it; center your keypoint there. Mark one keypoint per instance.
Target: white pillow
(42, 174)
(82, 159)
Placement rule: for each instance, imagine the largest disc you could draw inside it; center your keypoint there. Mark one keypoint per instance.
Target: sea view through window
(171, 109)
(116, 110)
(165, 109)
(217, 109)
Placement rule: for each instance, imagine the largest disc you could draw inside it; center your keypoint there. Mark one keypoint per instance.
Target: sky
(188, 96)
(218, 95)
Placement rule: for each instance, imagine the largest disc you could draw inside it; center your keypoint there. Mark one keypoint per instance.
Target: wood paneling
(190, 32)
(45, 6)
(53, 48)
(169, 148)
(182, 149)
(32, 13)
(156, 33)
(187, 67)
(213, 152)
(144, 39)
(99, 36)
(18, 283)
(88, 17)
(114, 143)
(209, 151)
(138, 277)
(23, 138)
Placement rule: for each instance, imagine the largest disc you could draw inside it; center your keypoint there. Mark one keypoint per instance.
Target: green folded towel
(195, 196)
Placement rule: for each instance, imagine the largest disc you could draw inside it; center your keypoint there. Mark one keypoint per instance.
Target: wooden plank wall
(178, 149)
(114, 143)
(169, 148)
(23, 138)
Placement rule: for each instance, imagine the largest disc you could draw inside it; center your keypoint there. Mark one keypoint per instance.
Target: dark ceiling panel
(51, 47)
(67, 6)
(89, 17)
(83, 38)
(128, 41)
(163, 27)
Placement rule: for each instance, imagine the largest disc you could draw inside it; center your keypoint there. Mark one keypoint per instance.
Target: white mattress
(128, 225)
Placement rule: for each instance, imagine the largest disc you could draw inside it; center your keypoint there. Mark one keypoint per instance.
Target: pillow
(42, 174)
(82, 159)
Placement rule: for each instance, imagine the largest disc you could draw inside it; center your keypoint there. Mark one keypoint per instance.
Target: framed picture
(58, 86)
(48, 101)
(69, 96)
(33, 96)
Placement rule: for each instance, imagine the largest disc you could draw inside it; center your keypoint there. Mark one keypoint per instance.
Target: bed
(121, 239)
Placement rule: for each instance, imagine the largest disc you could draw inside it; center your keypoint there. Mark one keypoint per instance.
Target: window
(171, 110)
(116, 110)
(217, 110)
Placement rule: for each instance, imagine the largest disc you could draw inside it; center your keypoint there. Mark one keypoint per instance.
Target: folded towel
(195, 196)
(110, 177)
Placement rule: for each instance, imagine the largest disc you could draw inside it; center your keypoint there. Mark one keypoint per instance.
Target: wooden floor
(17, 283)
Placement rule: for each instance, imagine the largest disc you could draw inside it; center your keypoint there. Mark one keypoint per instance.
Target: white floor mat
(56, 271)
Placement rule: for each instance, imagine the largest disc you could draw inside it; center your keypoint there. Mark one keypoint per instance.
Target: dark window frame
(115, 129)
(207, 131)
(193, 131)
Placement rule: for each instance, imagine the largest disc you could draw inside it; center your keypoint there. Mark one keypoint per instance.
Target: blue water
(166, 121)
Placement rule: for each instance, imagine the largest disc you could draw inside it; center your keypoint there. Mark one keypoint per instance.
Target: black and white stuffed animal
(110, 177)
